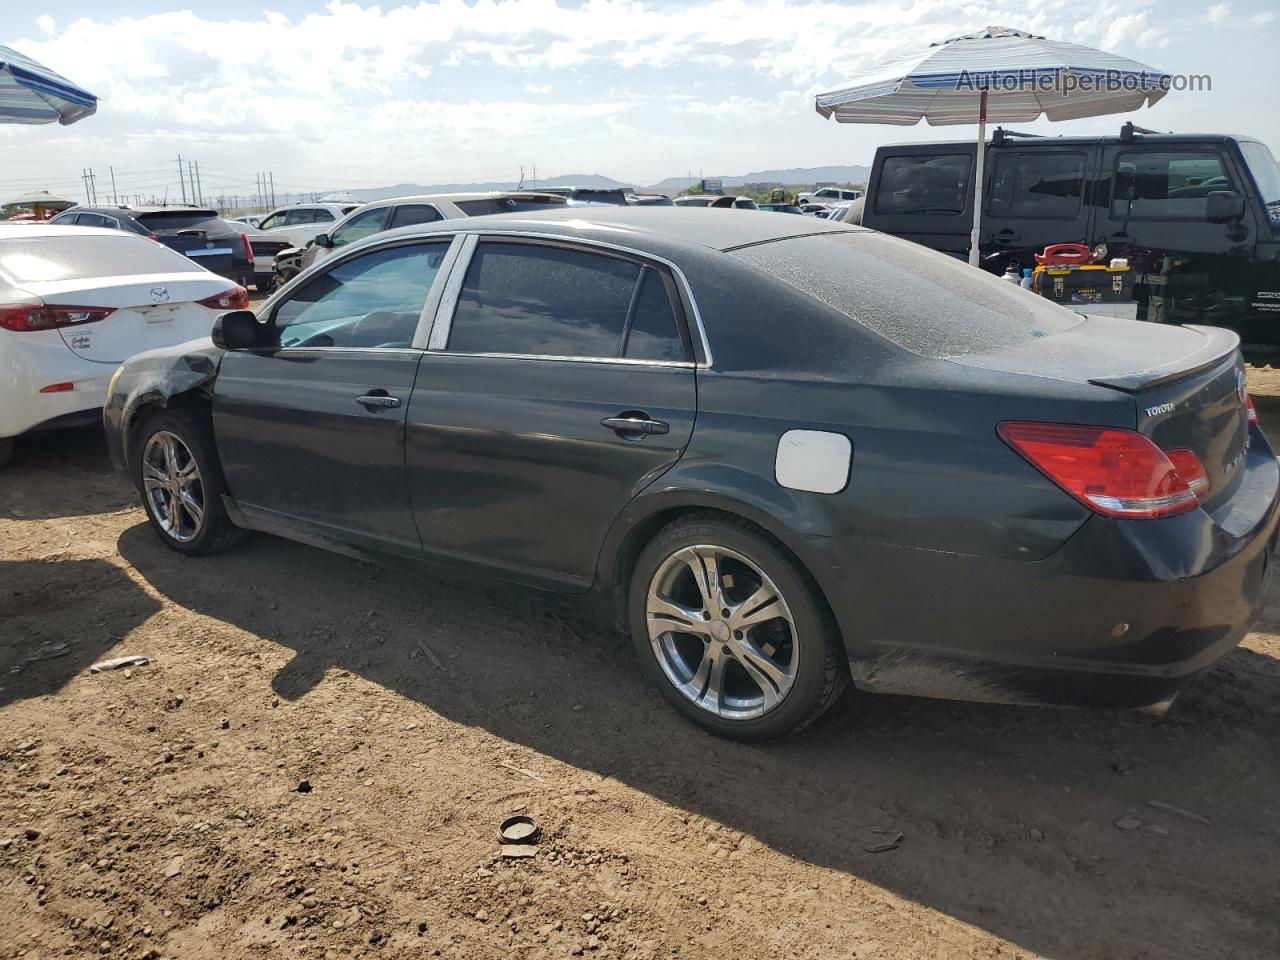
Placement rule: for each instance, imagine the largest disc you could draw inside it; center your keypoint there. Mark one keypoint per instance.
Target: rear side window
(543, 301)
(923, 301)
(1041, 185)
(1166, 185)
(93, 220)
(411, 213)
(322, 216)
(294, 218)
(935, 185)
(654, 333)
(37, 259)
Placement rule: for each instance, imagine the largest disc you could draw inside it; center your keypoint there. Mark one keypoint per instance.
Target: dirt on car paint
(316, 759)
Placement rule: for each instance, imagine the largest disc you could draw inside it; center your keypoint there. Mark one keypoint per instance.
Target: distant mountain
(793, 177)
(413, 189)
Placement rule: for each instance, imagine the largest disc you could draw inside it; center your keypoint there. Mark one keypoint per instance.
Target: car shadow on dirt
(1008, 815)
(35, 485)
(57, 617)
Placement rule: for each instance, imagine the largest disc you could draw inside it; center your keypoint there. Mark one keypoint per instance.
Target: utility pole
(181, 180)
(90, 192)
(535, 176)
(191, 179)
(115, 197)
(272, 177)
(199, 185)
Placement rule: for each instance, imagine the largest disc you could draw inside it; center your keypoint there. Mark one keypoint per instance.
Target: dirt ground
(315, 762)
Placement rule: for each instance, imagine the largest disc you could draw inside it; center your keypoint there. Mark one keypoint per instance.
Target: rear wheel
(733, 630)
(181, 483)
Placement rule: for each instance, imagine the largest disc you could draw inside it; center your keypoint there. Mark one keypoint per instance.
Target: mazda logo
(159, 294)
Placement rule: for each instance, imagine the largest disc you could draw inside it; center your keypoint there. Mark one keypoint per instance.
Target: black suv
(217, 245)
(1197, 216)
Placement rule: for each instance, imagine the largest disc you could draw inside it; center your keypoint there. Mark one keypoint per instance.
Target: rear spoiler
(1219, 344)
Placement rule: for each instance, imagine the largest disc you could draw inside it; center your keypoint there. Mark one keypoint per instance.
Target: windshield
(1265, 174)
(40, 259)
(923, 301)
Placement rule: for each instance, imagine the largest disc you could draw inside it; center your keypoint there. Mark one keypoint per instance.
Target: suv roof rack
(1129, 130)
(1001, 135)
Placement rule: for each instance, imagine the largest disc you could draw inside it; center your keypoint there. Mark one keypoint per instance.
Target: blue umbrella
(32, 93)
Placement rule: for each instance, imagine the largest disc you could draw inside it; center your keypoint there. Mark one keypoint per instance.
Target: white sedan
(77, 301)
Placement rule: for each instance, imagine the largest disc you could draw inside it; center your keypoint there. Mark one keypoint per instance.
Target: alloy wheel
(173, 486)
(722, 632)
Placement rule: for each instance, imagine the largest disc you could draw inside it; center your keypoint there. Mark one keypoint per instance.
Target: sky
(345, 94)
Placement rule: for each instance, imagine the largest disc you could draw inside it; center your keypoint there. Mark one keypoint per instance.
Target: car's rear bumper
(1123, 614)
(40, 361)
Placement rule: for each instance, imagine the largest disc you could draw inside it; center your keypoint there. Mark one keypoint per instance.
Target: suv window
(293, 218)
(360, 226)
(411, 213)
(654, 333)
(1041, 185)
(320, 215)
(275, 220)
(1166, 185)
(478, 208)
(924, 185)
(374, 300)
(543, 301)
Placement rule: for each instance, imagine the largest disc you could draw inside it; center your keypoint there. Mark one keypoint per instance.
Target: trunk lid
(146, 313)
(1187, 384)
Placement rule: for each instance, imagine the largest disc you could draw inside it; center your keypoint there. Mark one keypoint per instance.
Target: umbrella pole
(977, 180)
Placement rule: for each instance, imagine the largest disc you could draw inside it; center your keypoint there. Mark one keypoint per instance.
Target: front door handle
(378, 399)
(1006, 236)
(634, 426)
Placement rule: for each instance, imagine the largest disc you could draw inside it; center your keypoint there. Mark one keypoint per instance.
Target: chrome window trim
(430, 308)
(444, 317)
(628, 361)
(443, 321)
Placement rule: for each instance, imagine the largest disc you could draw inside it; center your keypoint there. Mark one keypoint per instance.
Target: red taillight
(234, 298)
(1117, 472)
(1191, 470)
(1250, 410)
(248, 248)
(27, 317)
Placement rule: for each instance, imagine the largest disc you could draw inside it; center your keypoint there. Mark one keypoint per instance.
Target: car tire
(6, 451)
(784, 668)
(194, 472)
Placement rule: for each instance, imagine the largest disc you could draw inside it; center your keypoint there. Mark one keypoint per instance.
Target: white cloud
(1218, 13)
(436, 90)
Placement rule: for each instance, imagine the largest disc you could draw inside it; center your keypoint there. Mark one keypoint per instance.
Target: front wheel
(181, 483)
(733, 630)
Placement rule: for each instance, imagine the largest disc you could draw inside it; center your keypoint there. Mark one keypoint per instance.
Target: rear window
(176, 219)
(480, 208)
(923, 301)
(85, 258)
(932, 185)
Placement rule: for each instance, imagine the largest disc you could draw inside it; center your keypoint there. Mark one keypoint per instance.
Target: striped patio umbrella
(998, 74)
(32, 93)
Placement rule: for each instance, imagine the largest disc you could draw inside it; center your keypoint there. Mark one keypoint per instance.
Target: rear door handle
(637, 425)
(378, 399)
(1006, 236)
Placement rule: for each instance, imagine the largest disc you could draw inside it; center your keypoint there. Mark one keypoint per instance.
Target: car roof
(716, 229)
(10, 230)
(455, 197)
(1109, 140)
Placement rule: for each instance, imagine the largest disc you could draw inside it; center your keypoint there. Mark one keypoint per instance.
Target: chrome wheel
(722, 632)
(173, 487)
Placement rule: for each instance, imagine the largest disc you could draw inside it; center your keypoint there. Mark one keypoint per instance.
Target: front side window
(374, 300)
(541, 300)
(360, 226)
(1041, 185)
(1166, 185)
(275, 220)
(935, 185)
(411, 213)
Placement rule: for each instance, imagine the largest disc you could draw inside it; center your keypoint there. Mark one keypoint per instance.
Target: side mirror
(1223, 206)
(236, 330)
(323, 240)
